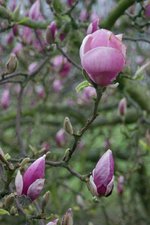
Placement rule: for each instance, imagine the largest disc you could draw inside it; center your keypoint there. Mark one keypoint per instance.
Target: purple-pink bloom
(87, 95)
(57, 85)
(60, 138)
(147, 10)
(120, 185)
(32, 181)
(102, 56)
(51, 32)
(93, 26)
(101, 181)
(34, 12)
(61, 65)
(32, 67)
(70, 2)
(5, 99)
(122, 107)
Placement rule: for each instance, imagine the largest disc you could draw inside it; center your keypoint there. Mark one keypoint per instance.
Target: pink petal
(86, 45)
(35, 171)
(19, 183)
(35, 189)
(54, 222)
(103, 64)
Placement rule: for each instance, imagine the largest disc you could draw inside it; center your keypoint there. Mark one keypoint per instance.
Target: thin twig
(18, 122)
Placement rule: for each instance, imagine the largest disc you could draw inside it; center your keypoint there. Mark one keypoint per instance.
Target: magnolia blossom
(32, 181)
(60, 138)
(122, 107)
(61, 65)
(31, 67)
(57, 85)
(5, 99)
(120, 185)
(147, 10)
(40, 91)
(34, 12)
(102, 56)
(101, 181)
(87, 95)
(51, 32)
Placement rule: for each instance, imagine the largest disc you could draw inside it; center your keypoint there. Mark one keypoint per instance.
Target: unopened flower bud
(68, 126)
(93, 26)
(9, 200)
(67, 218)
(34, 12)
(120, 185)
(5, 99)
(11, 65)
(13, 211)
(51, 32)
(122, 107)
(45, 200)
(60, 138)
(102, 179)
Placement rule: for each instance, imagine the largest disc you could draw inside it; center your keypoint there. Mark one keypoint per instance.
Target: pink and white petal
(35, 189)
(19, 183)
(119, 36)
(86, 45)
(110, 187)
(92, 187)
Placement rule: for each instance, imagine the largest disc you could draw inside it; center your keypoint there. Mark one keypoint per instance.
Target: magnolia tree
(74, 112)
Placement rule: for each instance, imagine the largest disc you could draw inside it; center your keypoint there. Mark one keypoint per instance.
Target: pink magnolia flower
(40, 91)
(93, 26)
(60, 138)
(57, 85)
(102, 179)
(32, 181)
(5, 99)
(84, 15)
(34, 12)
(87, 95)
(120, 185)
(122, 107)
(17, 49)
(32, 67)
(54, 222)
(61, 65)
(70, 2)
(102, 56)
(147, 10)
(51, 32)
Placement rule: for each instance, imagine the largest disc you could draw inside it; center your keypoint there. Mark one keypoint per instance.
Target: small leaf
(144, 145)
(82, 85)
(7, 156)
(4, 212)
